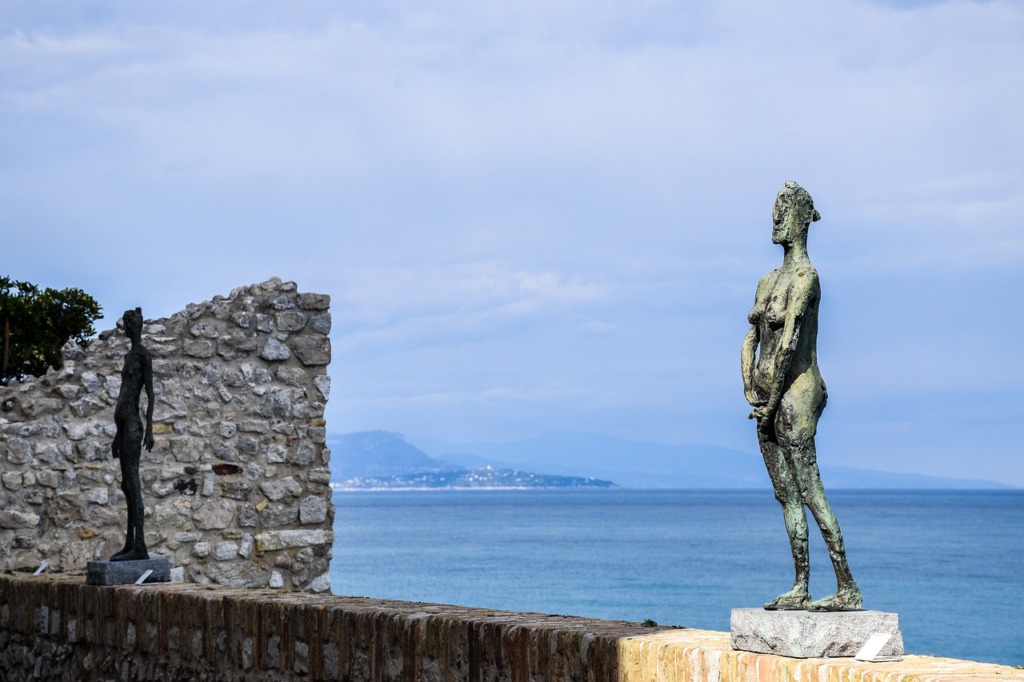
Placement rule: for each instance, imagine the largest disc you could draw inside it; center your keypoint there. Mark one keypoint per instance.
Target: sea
(950, 563)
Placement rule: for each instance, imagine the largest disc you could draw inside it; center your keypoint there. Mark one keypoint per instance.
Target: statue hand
(765, 422)
(761, 413)
(149, 440)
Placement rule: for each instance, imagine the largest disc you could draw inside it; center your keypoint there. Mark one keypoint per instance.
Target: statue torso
(780, 293)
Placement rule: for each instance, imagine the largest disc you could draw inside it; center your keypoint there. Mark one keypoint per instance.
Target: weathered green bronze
(782, 383)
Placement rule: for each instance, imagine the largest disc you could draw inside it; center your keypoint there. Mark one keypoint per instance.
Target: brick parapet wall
(58, 628)
(236, 489)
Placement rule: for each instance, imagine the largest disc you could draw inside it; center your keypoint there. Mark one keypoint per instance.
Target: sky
(551, 215)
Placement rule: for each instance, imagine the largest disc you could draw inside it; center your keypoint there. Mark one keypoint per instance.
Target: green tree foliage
(35, 323)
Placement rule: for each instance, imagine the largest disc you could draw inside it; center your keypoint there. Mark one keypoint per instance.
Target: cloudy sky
(551, 214)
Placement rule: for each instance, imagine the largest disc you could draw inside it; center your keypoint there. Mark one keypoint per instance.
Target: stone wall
(58, 628)
(236, 488)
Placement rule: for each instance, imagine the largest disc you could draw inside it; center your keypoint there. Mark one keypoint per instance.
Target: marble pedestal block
(813, 634)
(127, 572)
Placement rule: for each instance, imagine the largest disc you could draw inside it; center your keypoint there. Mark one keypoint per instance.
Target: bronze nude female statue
(782, 383)
(136, 374)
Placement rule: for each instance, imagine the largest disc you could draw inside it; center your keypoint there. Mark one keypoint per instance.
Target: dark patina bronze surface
(136, 374)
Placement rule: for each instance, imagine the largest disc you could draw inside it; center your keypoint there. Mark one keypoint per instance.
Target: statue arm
(747, 352)
(790, 337)
(800, 299)
(147, 370)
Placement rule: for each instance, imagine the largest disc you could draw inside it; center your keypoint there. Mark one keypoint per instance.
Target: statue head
(133, 324)
(793, 212)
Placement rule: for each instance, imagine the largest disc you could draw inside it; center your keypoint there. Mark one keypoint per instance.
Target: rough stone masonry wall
(236, 488)
(58, 628)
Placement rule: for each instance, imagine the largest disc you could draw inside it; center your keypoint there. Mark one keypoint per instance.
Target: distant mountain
(384, 460)
(631, 464)
(379, 454)
(848, 477)
(644, 464)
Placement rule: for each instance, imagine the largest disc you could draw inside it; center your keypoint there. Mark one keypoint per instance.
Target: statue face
(132, 324)
(789, 219)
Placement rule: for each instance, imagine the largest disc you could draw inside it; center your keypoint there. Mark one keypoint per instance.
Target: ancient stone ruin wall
(237, 487)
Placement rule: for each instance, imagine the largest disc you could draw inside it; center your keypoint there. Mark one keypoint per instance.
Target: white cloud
(452, 304)
(531, 196)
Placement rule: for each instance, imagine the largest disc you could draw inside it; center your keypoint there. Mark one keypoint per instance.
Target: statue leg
(137, 516)
(797, 426)
(787, 492)
(129, 541)
(131, 451)
(847, 596)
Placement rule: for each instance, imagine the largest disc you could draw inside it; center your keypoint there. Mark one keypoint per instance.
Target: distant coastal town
(486, 478)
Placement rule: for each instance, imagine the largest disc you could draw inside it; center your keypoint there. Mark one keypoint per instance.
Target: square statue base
(127, 572)
(813, 634)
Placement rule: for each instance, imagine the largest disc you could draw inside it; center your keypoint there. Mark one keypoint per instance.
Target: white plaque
(873, 646)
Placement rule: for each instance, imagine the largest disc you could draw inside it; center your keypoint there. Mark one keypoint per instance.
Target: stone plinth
(127, 572)
(813, 634)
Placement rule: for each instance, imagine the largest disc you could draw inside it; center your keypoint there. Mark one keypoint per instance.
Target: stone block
(290, 321)
(812, 634)
(323, 384)
(275, 351)
(321, 583)
(97, 495)
(314, 301)
(127, 572)
(225, 550)
(264, 323)
(199, 348)
(245, 549)
(312, 509)
(12, 518)
(278, 488)
(214, 515)
(321, 323)
(312, 351)
(283, 539)
(282, 302)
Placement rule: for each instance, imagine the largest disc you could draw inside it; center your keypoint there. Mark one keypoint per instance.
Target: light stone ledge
(282, 539)
(706, 656)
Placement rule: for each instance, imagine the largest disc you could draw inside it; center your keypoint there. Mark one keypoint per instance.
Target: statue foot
(132, 554)
(120, 554)
(846, 599)
(794, 600)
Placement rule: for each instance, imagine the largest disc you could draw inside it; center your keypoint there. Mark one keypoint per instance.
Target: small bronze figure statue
(782, 383)
(127, 446)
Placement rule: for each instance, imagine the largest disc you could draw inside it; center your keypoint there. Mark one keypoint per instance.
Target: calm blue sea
(950, 563)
